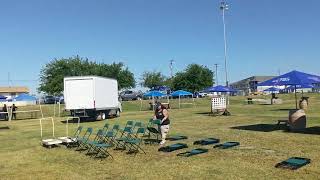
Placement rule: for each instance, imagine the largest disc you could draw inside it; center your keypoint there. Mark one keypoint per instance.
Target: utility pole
(171, 68)
(224, 6)
(216, 73)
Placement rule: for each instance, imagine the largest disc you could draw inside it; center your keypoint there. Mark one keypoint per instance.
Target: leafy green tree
(52, 74)
(194, 78)
(152, 79)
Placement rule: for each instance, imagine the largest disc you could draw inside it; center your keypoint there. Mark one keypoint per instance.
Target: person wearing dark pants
(162, 114)
(14, 108)
(4, 109)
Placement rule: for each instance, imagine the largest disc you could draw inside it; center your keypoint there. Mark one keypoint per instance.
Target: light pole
(171, 68)
(224, 6)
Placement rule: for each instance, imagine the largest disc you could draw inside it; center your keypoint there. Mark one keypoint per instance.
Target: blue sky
(264, 36)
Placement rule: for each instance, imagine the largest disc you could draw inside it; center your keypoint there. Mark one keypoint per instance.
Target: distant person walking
(4, 109)
(14, 108)
(162, 114)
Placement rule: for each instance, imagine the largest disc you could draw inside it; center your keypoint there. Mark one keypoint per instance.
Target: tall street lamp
(224, 6)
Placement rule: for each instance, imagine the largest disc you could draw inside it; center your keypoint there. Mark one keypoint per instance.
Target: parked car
(48, 100)
(130, 95)
(202, 94)
(59, 99)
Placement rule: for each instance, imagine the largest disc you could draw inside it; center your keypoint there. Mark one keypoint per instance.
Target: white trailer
(91, 96)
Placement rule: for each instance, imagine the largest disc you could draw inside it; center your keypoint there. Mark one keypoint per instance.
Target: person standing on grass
(14, 108)
(4, 109)
(162, 114)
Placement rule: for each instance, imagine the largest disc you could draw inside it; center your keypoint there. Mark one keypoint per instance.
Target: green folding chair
(153, 132)
(105, 127)
(111, 135)
(137, 125)
(227, 145)
(82, 141)
(176, 138)
(173, 147)
(193, 152)
(129, 123)
(206, 141)
(97, 139)
(74, 138)
(293, 163)
(135, 141)
(126, 134)
(98, 145)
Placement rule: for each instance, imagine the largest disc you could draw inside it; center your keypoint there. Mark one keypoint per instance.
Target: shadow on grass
(310, 130)
(261, 127)
(227, 113)
(204, 113)
(274, 127)
(5, 127)
(282, 109)
(82, 120)
(26, 118)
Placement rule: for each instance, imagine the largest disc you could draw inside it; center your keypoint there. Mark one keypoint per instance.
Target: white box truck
(91, 96)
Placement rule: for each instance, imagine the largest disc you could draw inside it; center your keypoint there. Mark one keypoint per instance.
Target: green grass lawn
(22, 157)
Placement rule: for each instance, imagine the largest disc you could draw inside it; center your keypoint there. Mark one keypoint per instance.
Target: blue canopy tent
(219, 88)
(153, 94)
(293, 78)
(180, 93)
(272, 89)
(25, 97)
(2, 98)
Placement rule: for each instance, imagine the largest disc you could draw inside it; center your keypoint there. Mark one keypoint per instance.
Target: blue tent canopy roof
(292, 78)
(219, 89)
(154, 94)
(181, 93)
(25, 97)
(3, 97)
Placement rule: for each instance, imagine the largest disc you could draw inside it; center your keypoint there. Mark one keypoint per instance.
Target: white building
(13, 91)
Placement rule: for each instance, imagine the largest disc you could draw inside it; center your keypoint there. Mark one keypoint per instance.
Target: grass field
(262, 146)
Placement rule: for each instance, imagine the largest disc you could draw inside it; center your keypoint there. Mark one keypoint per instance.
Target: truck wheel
(103, 116)
(118, 113)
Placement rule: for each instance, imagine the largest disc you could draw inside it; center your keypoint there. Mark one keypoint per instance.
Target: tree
(152, 79)
(194, 78)
(52, 74)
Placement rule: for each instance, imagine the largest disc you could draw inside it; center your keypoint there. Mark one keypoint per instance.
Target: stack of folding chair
(81, 142)
(73, 140)
(98, 146)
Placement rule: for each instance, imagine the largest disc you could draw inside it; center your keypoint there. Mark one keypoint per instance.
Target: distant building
(13, 91)
(249, 85)
(316, 87)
